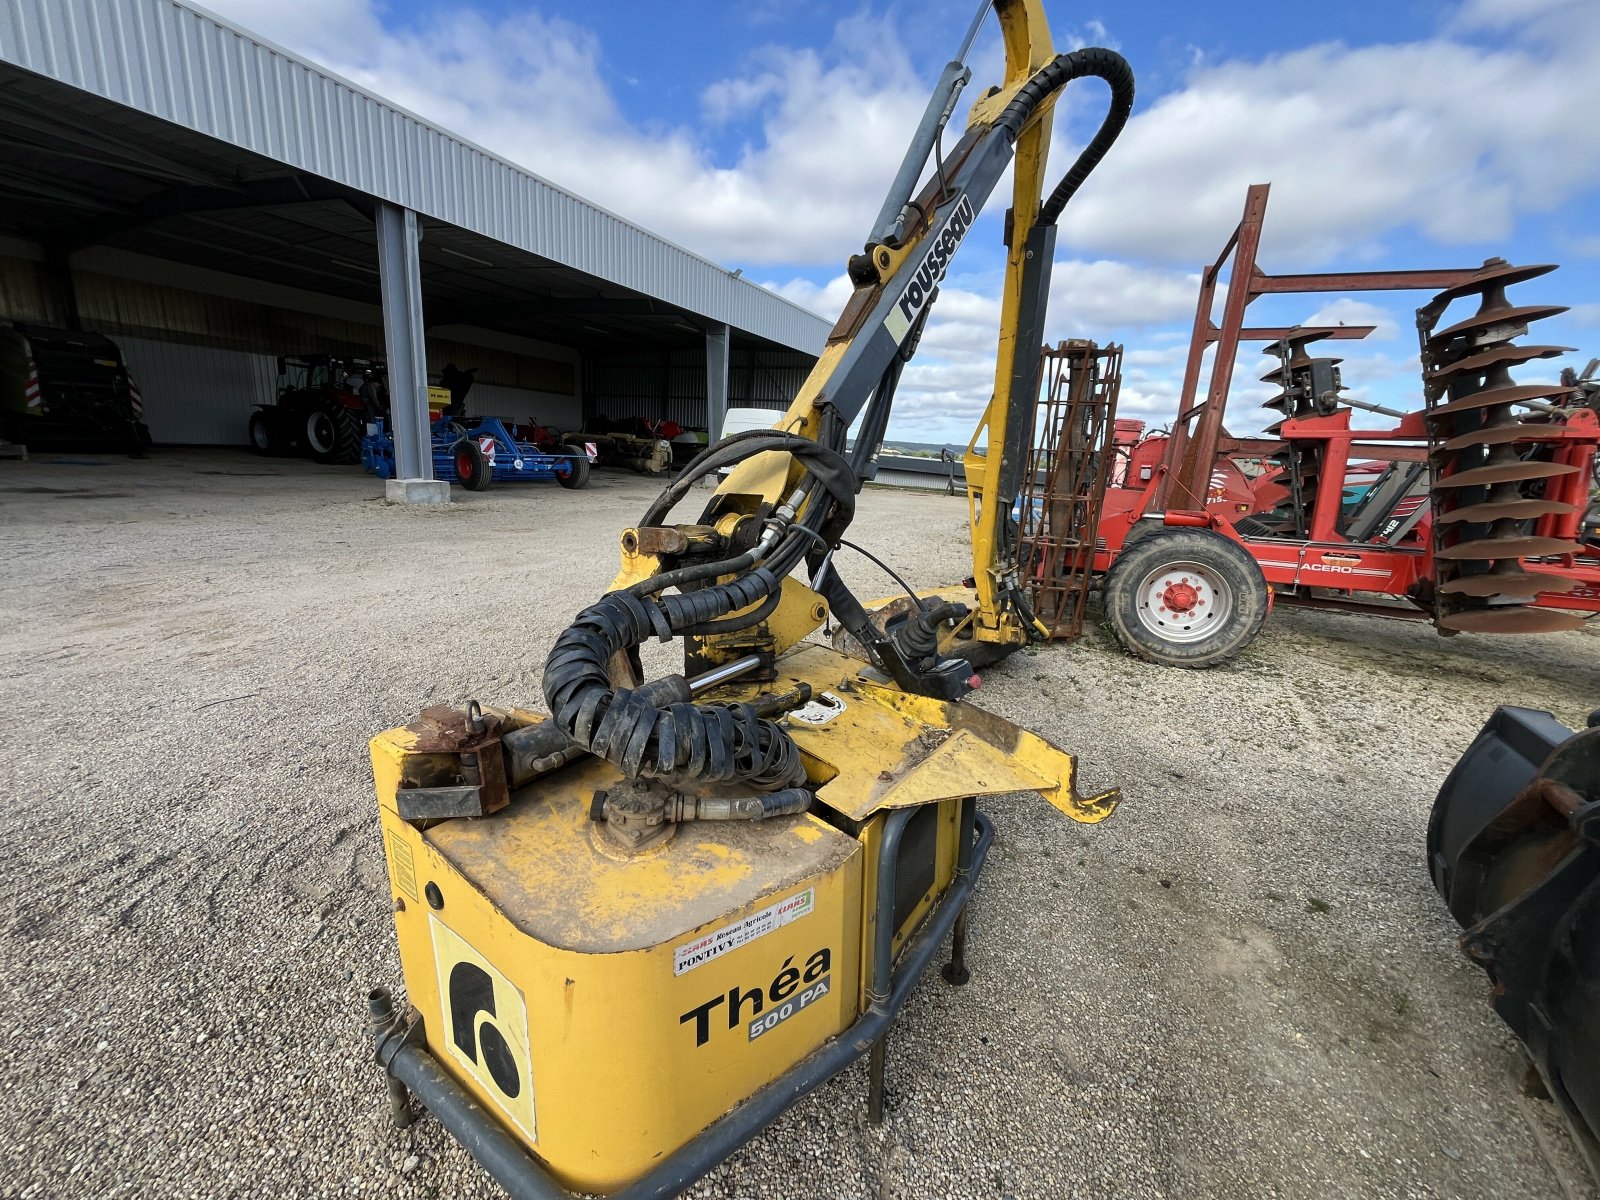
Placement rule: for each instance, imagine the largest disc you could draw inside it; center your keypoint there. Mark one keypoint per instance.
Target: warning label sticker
(819, 711)
(730, 937)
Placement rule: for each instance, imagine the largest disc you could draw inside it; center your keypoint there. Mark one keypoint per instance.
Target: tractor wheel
(573, 472)
(473, 471)
(332, 433)
(1185, 598)
(263, 437)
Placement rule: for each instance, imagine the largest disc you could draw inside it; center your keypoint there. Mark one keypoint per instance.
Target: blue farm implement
(478, 451)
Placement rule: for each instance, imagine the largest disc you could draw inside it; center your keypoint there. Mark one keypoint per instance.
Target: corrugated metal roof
(175, 61)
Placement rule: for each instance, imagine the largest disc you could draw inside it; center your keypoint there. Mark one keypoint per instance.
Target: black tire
(1207, 571)
(263, 435)
(331, 433)
(473, 471)
(573, 472)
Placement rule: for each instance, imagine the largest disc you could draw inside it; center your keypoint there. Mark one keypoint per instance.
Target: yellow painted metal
(938, 874)
(620, 1025)
(1025, 33)
(1028, 47)
(886, 749)
(1026, 36)
(798, 614)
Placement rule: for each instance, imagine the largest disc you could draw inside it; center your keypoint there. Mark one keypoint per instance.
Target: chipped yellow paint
(603, 1015)
(1026, 36)
(590, 942)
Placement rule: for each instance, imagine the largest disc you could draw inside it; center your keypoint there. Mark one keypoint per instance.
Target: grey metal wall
(202, 396)
(202, 361)
(26, 293)
(494, 400)
(166, 59)
(198, 395)
(673, 385)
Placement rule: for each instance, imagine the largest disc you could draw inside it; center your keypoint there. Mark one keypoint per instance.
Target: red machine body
(1327, 559)
(1426, 562)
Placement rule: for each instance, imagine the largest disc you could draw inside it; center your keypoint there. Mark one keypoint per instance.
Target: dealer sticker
(741, 933)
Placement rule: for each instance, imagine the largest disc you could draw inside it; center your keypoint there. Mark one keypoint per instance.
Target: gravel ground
(1243, 984)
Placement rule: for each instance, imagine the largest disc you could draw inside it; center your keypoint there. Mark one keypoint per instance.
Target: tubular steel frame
(1064, 482)
(1186, 469)
(1325, 559)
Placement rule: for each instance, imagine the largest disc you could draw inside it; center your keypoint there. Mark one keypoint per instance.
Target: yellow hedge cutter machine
(635, 932)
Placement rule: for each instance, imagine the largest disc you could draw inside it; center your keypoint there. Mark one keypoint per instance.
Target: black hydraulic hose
(638, 736)
(704, 742)
(1059, 71)
(740, 621)
(823, 462)
(885, 567)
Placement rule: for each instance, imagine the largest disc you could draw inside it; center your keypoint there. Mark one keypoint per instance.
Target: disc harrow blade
(1500, 395)
(1511, 582)
(1490, 317)
(1507, 472)
(1492, 549)
(1499, 510)
(1512, 618)
(1500, 435)
(1507, 354)
(1494, 274)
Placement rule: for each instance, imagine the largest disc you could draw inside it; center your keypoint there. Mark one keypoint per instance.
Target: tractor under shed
(211, 201)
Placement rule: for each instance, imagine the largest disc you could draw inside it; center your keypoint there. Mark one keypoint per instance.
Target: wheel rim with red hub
(1184, 601)
(465, 467)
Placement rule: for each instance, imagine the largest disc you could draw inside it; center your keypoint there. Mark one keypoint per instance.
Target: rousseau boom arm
(724, 584)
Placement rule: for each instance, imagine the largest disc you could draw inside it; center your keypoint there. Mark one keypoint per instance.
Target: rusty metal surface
(1495, 435)
(1494, 272)
(1508, 579)
(1507, 354)
(1498, 547)
(1273, 333)
(1488, 319)
(658, 540)
(1495, 510)
(1497, 396)
(1511, 618)
(441, 729)
(1494, 484)
(1192, 451)
(1516, 470)
(1069, 465)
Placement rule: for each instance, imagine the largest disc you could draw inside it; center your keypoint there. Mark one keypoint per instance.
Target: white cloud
(1440, 136)
(534, 90)
(1346, 311)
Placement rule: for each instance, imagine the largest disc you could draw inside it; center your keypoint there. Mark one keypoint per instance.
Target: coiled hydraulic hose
(712, 742)
(1059, 71)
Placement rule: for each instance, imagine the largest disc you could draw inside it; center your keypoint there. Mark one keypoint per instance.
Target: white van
(738, 420)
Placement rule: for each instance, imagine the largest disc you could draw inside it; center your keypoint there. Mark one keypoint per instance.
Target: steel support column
(400, 281)
(717, 355)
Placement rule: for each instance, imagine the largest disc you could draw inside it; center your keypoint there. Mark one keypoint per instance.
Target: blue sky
(1411, 133)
